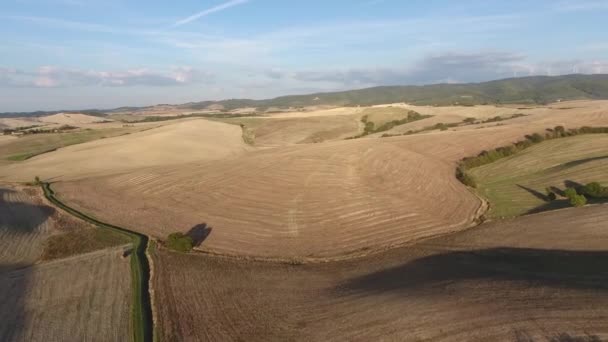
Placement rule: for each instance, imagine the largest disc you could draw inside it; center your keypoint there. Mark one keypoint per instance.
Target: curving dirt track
(539, 277)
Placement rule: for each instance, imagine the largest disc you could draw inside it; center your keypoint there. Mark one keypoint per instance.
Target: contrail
(211, 10)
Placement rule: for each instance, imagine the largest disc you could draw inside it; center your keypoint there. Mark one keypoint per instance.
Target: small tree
(575, 199)
(180, 242)
(37, 180)
(578, 201)
(594, 189)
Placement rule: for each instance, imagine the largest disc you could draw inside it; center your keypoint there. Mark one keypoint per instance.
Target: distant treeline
(176, 117)
(370, 127)
(486, 157)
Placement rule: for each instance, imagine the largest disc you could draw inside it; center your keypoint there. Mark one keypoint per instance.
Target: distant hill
(524, 90)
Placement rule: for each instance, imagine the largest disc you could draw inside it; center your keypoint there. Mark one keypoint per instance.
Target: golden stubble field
(315, 201)
(326, 219)
(310, 201)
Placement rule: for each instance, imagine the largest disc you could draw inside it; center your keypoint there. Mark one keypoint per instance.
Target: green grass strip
(140, 270)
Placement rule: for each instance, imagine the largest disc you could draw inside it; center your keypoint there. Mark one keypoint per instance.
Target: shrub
(465, 178)
(180, 242)
(535, 138)
(594, 189)
(570, 192)
(575, 199)
(578, 201)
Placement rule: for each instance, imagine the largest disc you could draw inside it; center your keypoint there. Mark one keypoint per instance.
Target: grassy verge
(140, 270)
(534, 177)
(81, 241)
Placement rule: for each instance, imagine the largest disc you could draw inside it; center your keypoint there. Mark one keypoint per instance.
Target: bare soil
(536, 278)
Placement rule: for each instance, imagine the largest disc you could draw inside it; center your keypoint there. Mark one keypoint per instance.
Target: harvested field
(180, 142)
(273, 132)
(517, 185)
(328, 200)
(320, 201)
(83, 298)
(73, 119)
(541, 277)
(25, 223)
(28, 146)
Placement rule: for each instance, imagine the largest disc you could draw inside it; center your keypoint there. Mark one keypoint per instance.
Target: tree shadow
(199, 233)
(557, 191)
(524, 336)
(561, 203)
(575, 163)
(572, 184)
(553, 268)
(21, 217)
(535, 193)
(14, 283)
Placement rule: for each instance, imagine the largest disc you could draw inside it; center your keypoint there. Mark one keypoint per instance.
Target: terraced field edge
(142, 322)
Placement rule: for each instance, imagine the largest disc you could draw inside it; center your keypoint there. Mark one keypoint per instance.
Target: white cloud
(53, 77)
(581, 5)
(208, 11)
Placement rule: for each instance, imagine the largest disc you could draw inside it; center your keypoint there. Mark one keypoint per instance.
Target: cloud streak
(54, 77)
(209, 11)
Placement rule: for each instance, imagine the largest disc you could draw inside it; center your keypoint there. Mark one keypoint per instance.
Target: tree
(578, 201)
(37, 180)
(180, 242)
(575, 199)
(594, 189)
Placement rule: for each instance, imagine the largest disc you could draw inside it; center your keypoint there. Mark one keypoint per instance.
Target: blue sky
(71, 54)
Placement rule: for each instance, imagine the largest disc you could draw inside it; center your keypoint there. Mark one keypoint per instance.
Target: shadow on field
(535, 193)
(553, 268)
(560, 203)
(14, 281)
(199, 233)
(19, 217)
(575, 163)
(523, 336)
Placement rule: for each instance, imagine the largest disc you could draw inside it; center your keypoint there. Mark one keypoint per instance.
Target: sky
(80, 54)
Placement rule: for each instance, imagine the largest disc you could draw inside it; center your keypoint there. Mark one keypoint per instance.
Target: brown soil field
(180, 142)
(535, 278)
(82, 298)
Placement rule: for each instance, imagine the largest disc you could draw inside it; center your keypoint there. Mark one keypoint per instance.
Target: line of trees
(486, 157)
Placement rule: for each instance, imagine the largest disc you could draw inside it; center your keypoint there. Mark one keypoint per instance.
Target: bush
(578, 201)
(570, 192)
(575, 199)
(180, 242)
(594, 189)
(465, 178)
